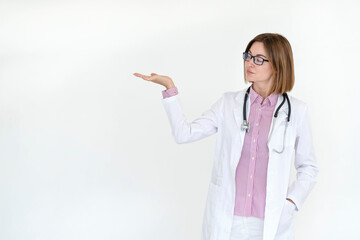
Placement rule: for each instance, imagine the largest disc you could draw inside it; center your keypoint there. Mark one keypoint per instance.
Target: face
(255, 73)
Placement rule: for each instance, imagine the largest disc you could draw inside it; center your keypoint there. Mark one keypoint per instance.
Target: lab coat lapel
(238, 113)
(277, 122)
(273, 196)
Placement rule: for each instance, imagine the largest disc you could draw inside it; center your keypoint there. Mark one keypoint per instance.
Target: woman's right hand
(159, 79)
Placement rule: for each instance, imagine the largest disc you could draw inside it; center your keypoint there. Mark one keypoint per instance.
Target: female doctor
(258, 131)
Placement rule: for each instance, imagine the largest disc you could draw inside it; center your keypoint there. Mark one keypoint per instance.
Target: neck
(262, 89)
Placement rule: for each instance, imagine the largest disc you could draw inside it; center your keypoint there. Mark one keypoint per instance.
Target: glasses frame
(254, 57)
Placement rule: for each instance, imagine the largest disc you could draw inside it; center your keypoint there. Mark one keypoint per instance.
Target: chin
(250, 79)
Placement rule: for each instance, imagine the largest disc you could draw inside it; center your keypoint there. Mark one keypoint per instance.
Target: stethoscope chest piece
(245, 126)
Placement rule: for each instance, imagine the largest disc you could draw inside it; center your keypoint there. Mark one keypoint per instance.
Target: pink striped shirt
(251, 172)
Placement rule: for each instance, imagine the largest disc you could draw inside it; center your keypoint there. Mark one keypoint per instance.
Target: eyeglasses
(257, 60)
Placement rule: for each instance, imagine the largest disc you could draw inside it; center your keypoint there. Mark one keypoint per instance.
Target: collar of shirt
(271, 100)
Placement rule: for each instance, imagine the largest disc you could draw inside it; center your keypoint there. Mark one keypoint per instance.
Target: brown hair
(280, 57)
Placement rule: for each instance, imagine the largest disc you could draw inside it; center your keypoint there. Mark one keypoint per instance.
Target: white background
(86, 150)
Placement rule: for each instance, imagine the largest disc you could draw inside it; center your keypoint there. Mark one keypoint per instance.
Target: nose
(250, 63)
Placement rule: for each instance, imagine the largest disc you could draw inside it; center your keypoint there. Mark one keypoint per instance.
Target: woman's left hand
(291, 201)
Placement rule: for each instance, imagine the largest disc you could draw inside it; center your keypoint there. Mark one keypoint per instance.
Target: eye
(258, 60)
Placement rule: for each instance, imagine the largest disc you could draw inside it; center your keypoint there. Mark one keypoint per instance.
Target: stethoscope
(246, 126)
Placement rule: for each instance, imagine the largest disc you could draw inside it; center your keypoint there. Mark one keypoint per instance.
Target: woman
(258, 129)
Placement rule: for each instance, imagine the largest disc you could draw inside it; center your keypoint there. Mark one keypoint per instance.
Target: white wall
(86, 150)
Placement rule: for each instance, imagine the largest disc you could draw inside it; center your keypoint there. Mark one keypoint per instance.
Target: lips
(249, 72)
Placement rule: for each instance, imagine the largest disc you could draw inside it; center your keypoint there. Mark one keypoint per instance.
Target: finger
(137, 74)
(142, 76)
(153, 74)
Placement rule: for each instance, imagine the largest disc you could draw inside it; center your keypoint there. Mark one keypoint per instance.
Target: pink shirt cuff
(170, 92)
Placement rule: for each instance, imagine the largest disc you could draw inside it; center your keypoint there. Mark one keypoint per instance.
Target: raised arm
(201, 127)
(182, 130)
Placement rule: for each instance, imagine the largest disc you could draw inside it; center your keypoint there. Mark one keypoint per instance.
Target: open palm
(159, 79)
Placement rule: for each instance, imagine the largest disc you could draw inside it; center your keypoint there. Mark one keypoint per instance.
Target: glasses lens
(258, 60)
(246, 56)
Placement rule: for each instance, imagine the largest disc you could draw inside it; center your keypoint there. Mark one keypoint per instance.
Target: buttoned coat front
(225, 118)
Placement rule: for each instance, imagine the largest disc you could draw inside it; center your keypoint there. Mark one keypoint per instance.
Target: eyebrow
(258, 54)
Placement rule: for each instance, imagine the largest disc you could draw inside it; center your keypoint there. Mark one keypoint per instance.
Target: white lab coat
(225, 118)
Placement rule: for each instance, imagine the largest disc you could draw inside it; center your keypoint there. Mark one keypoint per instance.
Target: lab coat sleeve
(183, 131)
(305, 163)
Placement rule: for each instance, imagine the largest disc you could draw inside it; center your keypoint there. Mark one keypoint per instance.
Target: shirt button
(249, 194)
(256, 124)
(252, 158)
(254, 139)
(250, 176)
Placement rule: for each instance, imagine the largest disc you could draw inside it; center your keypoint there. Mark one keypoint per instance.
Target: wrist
(169, 85)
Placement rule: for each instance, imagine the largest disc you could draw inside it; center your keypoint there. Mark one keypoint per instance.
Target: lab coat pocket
(291, 207)
(286, 219)
(212, 202)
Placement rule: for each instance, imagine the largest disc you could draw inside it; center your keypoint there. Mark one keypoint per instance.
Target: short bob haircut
(280, 57)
